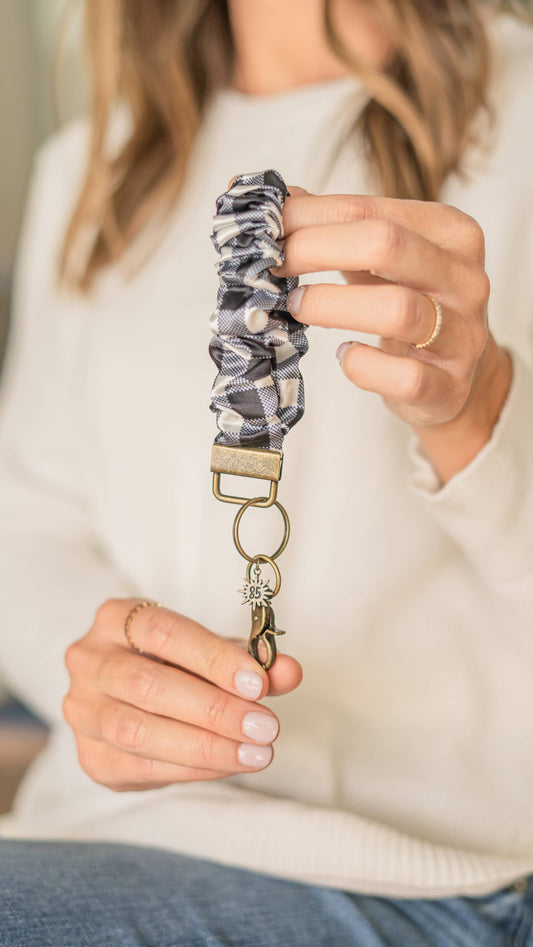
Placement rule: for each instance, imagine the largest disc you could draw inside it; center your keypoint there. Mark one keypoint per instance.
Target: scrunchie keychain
(258, 393)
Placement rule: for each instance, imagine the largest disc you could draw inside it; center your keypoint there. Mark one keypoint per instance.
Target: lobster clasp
(264, 629)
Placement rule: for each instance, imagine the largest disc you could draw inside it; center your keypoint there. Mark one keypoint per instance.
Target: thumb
(285, 674)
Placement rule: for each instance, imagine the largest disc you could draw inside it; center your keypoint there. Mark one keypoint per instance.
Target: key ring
(255, 502)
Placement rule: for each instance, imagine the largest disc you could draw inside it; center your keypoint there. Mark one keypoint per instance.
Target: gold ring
(130, 616)
(436, 328)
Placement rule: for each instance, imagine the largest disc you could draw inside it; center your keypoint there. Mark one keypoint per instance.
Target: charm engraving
(256, 590)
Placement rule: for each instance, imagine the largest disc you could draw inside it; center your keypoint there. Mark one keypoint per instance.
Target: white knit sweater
(405, 760)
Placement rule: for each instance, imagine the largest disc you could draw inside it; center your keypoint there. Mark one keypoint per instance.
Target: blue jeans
(97, 894)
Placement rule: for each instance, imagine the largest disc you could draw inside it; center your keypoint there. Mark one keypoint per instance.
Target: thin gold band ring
(131, 615)
(436, 328)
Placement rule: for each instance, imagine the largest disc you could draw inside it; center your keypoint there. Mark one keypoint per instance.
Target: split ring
(284, 541)
(270, 561)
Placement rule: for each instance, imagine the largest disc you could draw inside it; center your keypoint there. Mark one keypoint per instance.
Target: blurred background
(41, 86)
(33, 68)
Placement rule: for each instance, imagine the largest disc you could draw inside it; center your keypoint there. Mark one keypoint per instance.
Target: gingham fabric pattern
(258, 393)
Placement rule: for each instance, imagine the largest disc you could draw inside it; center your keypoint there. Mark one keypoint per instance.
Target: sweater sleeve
(54, 571)
(487, 508)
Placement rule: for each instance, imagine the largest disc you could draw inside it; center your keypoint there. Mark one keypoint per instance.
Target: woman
(396, 808)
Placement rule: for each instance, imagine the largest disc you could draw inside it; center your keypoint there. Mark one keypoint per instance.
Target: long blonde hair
(165, 58)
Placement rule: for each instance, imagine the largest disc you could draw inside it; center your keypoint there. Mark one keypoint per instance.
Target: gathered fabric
(258, 393)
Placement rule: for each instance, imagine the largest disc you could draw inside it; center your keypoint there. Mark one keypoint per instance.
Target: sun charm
(256, 591)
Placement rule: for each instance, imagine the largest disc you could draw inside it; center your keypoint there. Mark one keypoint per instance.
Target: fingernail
(294, 300)
(248, 683)
(256, 756)
(342, 349)
(261, 727)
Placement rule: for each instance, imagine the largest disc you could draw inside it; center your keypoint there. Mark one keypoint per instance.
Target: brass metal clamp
(263, 465)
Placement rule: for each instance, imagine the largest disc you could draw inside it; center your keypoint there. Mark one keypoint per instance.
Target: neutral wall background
(28, 33)
(28, 38)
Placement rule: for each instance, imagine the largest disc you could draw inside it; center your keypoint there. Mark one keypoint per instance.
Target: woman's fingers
(443, 224)
(172, 693)
(185, 643)
(296, 192)
(383, 248)
(393, 312)
(188, 702)
(409, 381)
(135, 731)
(293, 190)
(121, 771)
(285, 674)
(422, 249)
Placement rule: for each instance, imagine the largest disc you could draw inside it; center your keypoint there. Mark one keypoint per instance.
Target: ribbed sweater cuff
(487, 508)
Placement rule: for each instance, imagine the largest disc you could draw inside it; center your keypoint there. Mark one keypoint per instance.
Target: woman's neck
(280, 44)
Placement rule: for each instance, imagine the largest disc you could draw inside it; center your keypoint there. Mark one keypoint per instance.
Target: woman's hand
(185, 710)
(394, 253)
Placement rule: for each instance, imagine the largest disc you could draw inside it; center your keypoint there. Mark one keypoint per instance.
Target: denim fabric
(74, 894)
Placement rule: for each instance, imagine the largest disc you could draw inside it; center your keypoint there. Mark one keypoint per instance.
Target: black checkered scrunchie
(258, 392)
